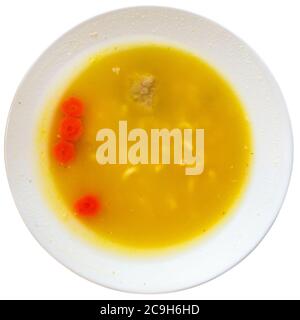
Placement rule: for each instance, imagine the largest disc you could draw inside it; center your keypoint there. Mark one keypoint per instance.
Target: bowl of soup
(148, 149)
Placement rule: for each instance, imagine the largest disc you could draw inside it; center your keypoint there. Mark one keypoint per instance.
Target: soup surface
(146, 206)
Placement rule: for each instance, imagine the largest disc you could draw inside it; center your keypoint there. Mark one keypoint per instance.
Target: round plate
(267, 185)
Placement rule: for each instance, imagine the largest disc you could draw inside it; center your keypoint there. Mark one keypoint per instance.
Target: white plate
(272, 145)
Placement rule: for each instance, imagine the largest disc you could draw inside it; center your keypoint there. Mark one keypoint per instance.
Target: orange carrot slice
(70, 129)
(88, 205)
(64, 152)
(73, 107)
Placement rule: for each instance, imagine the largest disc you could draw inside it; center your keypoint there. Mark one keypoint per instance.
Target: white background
(272, 29)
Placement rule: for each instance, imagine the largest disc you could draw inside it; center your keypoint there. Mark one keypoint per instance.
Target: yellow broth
(149, 206)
